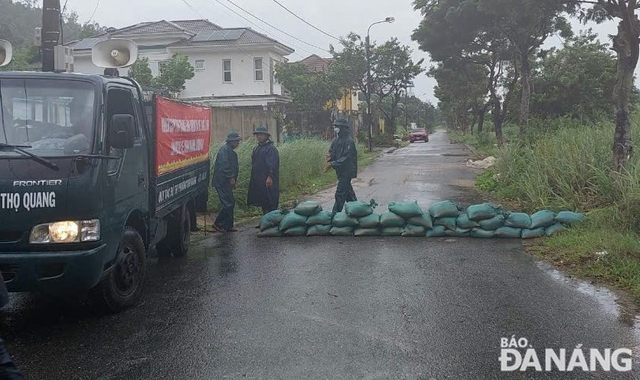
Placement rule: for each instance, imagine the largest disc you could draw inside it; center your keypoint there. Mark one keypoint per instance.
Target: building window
(199, 66)
(226, 71)
(257, 67)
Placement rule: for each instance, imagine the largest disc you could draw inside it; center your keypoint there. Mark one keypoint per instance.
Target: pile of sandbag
(407, 219)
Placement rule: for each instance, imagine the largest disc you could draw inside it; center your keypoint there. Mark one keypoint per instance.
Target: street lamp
(368, 58)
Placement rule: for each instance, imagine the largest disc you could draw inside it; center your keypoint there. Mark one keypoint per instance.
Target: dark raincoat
(225, 168)
(265, 161)
(8, 369)
(343, 157)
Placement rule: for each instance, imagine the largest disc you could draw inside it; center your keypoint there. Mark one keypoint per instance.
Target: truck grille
(10, 236)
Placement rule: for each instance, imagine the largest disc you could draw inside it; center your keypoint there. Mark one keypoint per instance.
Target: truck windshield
(47, 117)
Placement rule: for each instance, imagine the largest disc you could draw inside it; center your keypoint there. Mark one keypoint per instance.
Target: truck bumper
(61, 273)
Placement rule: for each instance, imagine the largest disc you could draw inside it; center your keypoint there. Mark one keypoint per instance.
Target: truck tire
(181, 233)
(122, 287)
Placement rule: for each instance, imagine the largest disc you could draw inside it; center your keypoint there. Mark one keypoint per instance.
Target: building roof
(316, 63)
(196, 32)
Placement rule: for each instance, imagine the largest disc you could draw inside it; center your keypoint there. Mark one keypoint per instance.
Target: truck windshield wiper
(38, 159)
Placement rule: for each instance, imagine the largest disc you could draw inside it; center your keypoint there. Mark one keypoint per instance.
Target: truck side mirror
(122, 131)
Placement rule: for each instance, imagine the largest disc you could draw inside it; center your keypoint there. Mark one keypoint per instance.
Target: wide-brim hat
(233, 136)
(261, 131)
(341, 123)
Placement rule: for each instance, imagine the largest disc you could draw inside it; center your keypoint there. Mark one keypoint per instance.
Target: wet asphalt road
(332, 308)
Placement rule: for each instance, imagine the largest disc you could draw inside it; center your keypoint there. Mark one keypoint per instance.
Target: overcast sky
(335, 17)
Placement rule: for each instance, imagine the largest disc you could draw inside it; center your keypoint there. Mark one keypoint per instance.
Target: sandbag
(533, 234)
(296, 231)
(508, 233)
(444, 209)
(448, 222)
(436, 231)
(369, 221)
(392, 231)
(366, 232)
(544, 218)
(308, 208)
(411, 230)
(458, 232)
(482, 234)
(341, 231)
(482, 212)
(554, 228)
(423, 220)
(291, 220)
(569, 217)
(271, 219)
(319, 230)
(358, 209)
(341, 219)
(323, 218)
(405, 209)
(492, 224)
(390, 219)
(464, 222)
(518, 220)
(271, 232)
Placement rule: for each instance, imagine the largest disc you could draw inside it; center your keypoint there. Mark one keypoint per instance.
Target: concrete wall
(243, 121)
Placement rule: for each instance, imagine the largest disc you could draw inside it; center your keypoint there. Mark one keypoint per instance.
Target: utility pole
(50, 33)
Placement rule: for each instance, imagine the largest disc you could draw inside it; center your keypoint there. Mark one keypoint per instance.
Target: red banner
(183, 135)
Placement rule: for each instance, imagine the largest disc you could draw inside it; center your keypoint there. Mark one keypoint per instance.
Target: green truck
(93, 176)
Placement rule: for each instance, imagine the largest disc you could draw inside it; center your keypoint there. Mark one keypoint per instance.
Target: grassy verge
(568, 167)
(301, 164)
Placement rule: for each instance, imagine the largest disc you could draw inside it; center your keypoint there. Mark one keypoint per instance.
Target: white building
(234, 67)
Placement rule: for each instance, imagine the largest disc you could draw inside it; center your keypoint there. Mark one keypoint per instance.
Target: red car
(419, 134)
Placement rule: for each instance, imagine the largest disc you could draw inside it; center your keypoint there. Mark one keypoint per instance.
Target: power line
(94, 12)
(306, 22)
(193, 9)
(276, 28)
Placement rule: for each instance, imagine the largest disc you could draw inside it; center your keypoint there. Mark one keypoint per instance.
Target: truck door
(128, 176)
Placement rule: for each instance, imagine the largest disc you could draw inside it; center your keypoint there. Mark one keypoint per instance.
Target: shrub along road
(344, 308)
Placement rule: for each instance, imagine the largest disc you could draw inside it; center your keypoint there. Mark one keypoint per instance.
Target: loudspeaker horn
(6, 52)
(114, 53)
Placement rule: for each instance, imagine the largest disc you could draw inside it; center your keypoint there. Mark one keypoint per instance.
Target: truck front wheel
(122, 287)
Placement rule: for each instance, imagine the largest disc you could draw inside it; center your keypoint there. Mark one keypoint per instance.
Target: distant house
(234, 67)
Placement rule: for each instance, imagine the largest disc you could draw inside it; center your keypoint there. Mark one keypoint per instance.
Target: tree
(91, 29)
(141, 72)
(174, 73)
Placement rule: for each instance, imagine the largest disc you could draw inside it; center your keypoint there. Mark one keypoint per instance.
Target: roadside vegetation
(301, 164)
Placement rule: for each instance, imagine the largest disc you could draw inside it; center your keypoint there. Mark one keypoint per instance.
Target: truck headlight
(66, 232)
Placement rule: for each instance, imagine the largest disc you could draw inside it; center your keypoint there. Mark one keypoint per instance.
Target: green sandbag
(482, 234)
(458, 232)
(296, 231)
(271, 219)
(358, 209)
(437, 231)
(544, 218)
(518, 220)
(508, 233)
(405, 209)
(323, 218)
(423, 220)
(366, 232)
(342, 231)
(291, 220)
(493, 223)
(370, 221)
(448, 222)
(271, 232)
(308, 208)
(341, 219)
(444, 209)
(482, 212)
(533, 234)
(390, 219)
(554, 228)
(319, 230)
(464, 222)
(569, 217)
(411, 230)
(392, 231)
